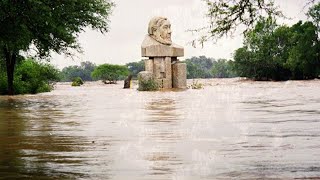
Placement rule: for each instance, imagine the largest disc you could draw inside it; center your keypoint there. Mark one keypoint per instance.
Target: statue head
(160, 30)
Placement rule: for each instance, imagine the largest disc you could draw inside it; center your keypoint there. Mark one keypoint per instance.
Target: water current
(230, 129)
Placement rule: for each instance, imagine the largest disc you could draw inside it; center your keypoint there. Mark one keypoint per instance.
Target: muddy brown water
(231, 129)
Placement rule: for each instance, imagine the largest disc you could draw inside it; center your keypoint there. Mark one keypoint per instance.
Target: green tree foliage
(148, 85)
(135, 67)
(226, 16)
(110, 73)
(77, 81)
(314, 14)
(31, 77)
(223, 69)
(203, 67)
(279, 53)
(303, 60)
(83, 71)
(3, 78)
(199, 67)
(48, 26)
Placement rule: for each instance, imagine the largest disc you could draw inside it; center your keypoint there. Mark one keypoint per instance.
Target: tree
(303, 59)
(223, 69)
(31, 77)
(279, 53)
(199, 67)
(110, 73)
(83, 71)
(243, 62)
(226, 16)
(46, 26)
(314, 14)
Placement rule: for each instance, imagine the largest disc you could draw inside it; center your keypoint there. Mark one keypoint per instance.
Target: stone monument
(162, 54)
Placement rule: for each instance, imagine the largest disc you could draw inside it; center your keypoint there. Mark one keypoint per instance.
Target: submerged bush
(77, 81)
(196, 85)
(30, 77)
(148, 85)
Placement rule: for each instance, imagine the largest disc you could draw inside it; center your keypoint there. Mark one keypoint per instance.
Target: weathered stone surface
(148, 64)
(145, 75)
(147, 81)
(162, 72)
(158, 67)
(167, 83)
(160, 30)
(179, 73)
(152, 48)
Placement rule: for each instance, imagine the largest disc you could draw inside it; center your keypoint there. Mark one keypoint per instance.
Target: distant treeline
(203, 67)
(197, 67)
(89, 71)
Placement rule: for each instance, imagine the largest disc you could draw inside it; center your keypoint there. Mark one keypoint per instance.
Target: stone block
(147, 82)
(158, 68)
(167, 82)
(145, 75)
(148, 63)
(152, 48)
(179, 75)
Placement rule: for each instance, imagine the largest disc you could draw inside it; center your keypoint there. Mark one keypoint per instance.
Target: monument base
(179, 74)
(168, 72)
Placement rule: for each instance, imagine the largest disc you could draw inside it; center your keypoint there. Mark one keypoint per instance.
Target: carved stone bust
(158, 42)
(160, 30)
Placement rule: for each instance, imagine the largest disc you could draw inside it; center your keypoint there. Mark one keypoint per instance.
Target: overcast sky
(129, 23)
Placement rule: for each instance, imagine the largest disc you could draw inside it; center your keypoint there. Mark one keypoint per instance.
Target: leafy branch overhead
(50, 25)
(47, 26)
(225, 16)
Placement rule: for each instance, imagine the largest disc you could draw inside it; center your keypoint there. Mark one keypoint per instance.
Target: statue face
(163, 33)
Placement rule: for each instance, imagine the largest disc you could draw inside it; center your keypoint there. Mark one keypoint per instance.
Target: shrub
(31, 77)
(148, 85)
(196, 85)
(77, 81)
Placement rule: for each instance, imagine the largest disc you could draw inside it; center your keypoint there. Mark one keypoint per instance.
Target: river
(230, 129)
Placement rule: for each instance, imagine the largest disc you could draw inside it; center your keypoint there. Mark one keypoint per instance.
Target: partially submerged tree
(46, 26)
(110, 73)
(279, 52)
(30, 77)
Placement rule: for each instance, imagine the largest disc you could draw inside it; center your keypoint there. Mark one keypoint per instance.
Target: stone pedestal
(163, 64)
(148, 65)
(179, 74)
(145, 75)
(161, 69)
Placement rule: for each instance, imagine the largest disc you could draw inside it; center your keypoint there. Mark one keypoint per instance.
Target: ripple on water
(231, 129)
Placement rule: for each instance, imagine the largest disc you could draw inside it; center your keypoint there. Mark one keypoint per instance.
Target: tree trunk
(10, 63)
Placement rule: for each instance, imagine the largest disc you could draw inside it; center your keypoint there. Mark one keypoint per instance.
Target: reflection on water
(231, 129)
(163, 123)
(31, 145)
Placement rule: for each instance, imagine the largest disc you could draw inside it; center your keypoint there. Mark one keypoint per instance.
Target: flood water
(231, 129)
